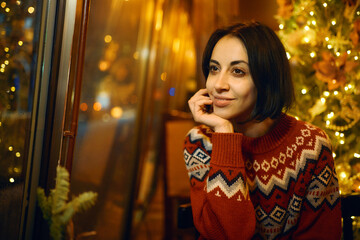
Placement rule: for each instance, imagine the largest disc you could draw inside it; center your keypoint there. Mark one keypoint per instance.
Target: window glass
(139, 62)
(18, 24)
(105, 152)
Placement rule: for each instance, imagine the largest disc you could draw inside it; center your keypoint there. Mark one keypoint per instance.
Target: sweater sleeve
(219, 194)
(320, 215)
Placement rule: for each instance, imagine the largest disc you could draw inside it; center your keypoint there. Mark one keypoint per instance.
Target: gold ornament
(349, 112)
(332, 70)
(355, 33)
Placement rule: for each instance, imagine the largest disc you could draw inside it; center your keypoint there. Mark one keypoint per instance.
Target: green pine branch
(56, 209)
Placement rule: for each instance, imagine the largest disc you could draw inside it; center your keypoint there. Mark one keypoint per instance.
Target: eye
(213, 69)
(238, 72)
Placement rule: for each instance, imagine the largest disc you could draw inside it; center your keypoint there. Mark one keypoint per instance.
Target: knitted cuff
(227, 150)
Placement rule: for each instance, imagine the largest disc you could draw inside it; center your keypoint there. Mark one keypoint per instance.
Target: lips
(222, 101)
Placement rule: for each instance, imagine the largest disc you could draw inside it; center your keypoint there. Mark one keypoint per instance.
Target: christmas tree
(17, 21)
(322, 42)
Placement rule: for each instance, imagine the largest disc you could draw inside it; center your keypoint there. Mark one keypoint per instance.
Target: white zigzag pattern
(195, 135)
(283, 183)
(229, 191)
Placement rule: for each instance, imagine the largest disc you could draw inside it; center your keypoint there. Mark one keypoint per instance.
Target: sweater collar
(273, 138)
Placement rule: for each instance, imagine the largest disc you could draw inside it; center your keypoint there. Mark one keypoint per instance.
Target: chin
(225, 114)
(238, 117)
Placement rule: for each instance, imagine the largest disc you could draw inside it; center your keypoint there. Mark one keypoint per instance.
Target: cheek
(247, 90)
(208, 84)
(253, 96)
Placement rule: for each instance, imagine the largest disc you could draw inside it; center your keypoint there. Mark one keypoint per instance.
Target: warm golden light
(337, 54)
(357, 155)
(307, 28)
(325, 4)
(343, 175)
(12, 89)
(17, 154)
(18, 2)
(281, 26)
(342, 142)
(163, 76)
(323, 100)
(334, 155)
(6, 62)
(83, 107)
(11, 148)
(342, 135)
(97, 106)
(333, 22)
(329, 46)
(303, 91)
(7, 10)
(326, 93)
(116, 112)
(11, 180)
(311, 13)
(176, 45)
(31, 10)
(356, 57)
(20, 43)
(336, 93)
(330, 115)
(348, 51)
(306, 39)
(3, 4)
(108, 38)
(103, 65)
(327, 38)
(288, 55)
(159, 18)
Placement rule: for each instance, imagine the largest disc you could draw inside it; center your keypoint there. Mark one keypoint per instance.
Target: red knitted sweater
(282, 185)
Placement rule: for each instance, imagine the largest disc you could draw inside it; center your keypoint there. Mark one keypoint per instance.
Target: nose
(221, 83)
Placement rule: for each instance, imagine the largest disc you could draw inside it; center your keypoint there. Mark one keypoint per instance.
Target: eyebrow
(231, 63)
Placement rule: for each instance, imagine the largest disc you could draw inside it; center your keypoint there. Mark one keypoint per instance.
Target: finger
(201, 92)
(198, 98)
(199, 106)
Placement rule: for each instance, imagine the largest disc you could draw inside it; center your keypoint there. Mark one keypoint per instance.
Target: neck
(255, 129)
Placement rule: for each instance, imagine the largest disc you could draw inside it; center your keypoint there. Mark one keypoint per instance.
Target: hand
(197, 104)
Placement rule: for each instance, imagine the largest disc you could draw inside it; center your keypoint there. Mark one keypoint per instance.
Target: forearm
(220, 200)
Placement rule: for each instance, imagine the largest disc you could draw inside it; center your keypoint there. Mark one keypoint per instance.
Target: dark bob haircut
(268, 64)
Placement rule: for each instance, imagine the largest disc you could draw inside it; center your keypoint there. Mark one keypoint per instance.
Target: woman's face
(229, 83)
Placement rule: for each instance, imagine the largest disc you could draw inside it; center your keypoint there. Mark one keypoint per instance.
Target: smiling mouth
(222, 102)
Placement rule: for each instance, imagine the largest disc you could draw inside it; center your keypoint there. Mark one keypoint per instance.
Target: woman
(256, 172)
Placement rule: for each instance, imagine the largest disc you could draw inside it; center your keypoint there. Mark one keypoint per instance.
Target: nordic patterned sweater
(282, 185)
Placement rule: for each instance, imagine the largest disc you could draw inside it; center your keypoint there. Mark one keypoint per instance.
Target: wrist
(224, 128)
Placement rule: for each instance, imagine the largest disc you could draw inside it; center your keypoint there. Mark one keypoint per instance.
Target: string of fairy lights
(10, 48)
